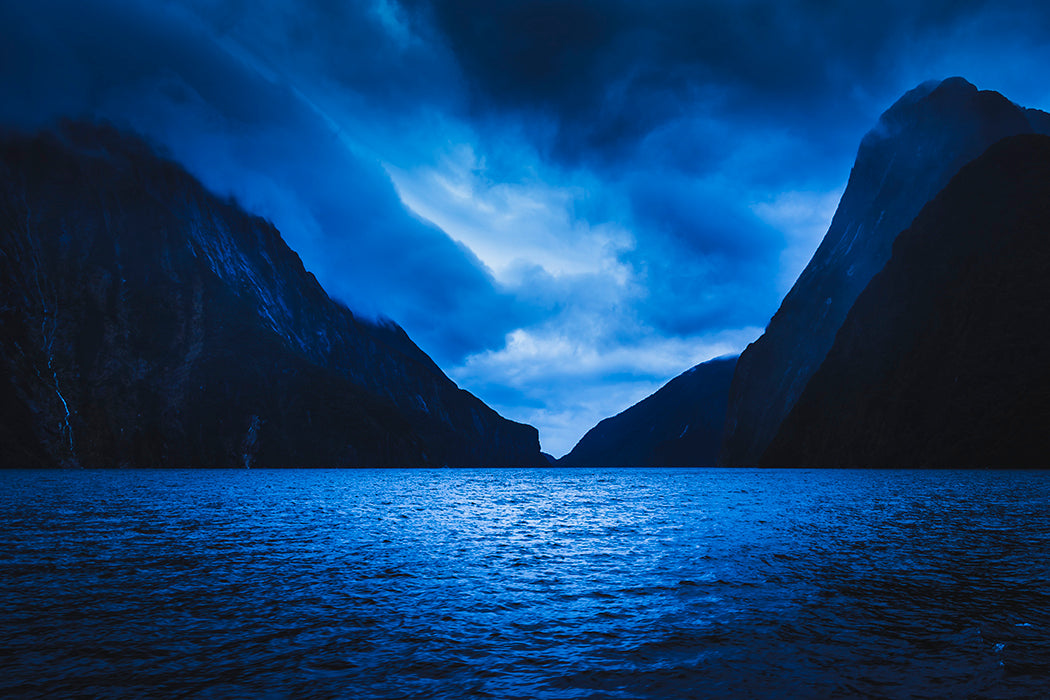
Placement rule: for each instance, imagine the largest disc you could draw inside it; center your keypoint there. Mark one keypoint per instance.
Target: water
(551, 583)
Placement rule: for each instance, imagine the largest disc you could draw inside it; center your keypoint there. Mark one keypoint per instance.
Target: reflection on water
(525, 584)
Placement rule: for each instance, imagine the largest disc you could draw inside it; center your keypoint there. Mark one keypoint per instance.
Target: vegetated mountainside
(679, 425)
(944, 360)
(916, 147)
(145, 322)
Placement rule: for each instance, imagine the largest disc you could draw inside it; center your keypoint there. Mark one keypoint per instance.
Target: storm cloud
(564, 203)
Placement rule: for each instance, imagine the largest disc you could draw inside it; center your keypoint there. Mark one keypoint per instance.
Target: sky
(565, 203)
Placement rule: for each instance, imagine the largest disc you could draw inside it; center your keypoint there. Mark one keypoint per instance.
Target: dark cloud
(366, 49)
(161, 71)
(611, 71)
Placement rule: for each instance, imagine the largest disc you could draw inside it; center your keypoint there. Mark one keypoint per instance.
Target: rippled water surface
(525, 584)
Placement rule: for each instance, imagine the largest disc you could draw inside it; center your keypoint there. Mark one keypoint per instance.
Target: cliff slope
(679, 425)
(146, 322)
(944, 360)
(910, 155)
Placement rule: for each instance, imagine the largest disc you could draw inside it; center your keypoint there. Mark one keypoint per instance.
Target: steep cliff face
(679, 425)
(147, 322)
(917, 146)
(944, 360)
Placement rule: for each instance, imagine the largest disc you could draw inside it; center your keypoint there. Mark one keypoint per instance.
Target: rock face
(917, 146)
(145, 322)
(679, 425)
(944, 360)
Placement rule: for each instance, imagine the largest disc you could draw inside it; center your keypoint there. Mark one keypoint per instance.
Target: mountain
(910, 155)
(944, 360)
(146, 322)
(679, 425)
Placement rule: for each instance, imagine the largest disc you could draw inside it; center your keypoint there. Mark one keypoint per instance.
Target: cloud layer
(566, 202)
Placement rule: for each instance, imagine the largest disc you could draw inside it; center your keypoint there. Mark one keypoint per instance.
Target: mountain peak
(942, 359)
(957, 84)
(954, 85)
(933, 107)
(915, 148)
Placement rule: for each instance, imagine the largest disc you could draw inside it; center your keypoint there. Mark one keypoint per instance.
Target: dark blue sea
(552, 583)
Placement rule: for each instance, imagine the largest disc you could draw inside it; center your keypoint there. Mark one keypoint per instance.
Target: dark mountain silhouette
(916, 147)
(143, 321)
(944, 359)
(679, 425)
